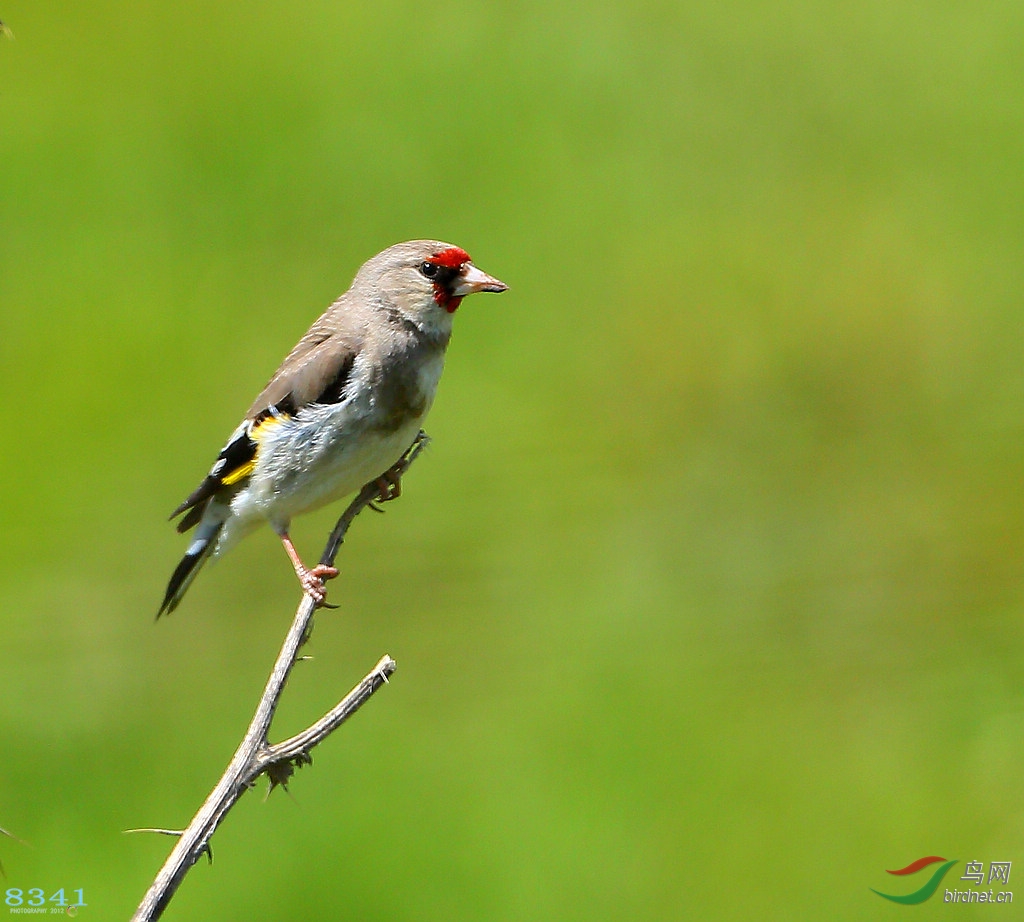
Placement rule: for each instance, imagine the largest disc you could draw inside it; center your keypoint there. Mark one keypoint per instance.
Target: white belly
(327, 452)
(308, 464)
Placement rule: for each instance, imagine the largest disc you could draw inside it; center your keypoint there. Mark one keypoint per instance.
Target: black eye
(429, 270)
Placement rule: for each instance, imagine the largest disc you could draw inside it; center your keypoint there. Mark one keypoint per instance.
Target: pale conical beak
(471, 280)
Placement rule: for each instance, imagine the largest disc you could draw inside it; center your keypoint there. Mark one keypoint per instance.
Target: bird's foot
(310, 578)
(389, 484)
(312, 581)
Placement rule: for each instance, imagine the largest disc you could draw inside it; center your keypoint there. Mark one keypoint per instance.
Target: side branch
(255, 755)
(277, 760)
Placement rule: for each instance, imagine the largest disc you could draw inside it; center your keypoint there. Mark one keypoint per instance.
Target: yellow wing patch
(257, 430)
(238, 473)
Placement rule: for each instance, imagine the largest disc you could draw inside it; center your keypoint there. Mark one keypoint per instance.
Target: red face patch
(452, 258)
(450, 304)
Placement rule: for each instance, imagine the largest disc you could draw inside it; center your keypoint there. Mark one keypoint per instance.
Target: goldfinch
(344, 406)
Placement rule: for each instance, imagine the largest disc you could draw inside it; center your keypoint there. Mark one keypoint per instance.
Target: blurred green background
(706, 601)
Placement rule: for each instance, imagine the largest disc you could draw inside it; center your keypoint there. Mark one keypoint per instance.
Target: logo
(974, 872)
(919, 896)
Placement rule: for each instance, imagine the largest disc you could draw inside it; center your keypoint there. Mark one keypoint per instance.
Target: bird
(343, 407)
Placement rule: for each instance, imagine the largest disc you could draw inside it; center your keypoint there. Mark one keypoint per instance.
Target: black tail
(198, 553)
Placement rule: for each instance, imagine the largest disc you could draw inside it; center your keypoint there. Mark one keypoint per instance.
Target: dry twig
(255, 755)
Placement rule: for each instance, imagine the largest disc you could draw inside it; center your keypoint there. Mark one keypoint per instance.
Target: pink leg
(312, 581)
